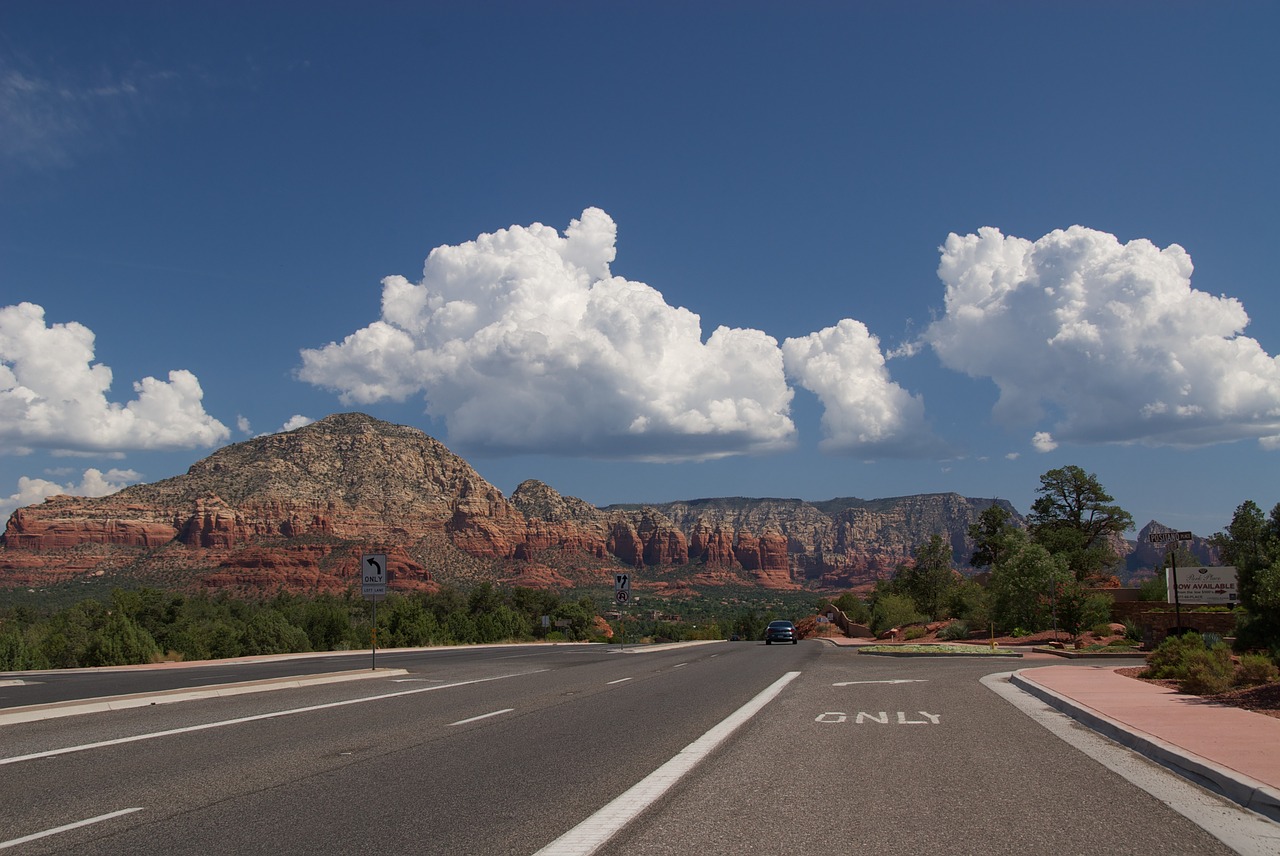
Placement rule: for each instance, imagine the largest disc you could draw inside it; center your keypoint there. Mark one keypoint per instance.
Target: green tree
(1251, 544)
(894, 610)
(992, 536)
(929, 580)
(969, 601)
(1020, 587)
(1075, 517)
(854, 608)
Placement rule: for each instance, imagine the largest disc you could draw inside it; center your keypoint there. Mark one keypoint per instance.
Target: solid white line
(483, 716)
(273, 715)
(67, 828)
(592, 834)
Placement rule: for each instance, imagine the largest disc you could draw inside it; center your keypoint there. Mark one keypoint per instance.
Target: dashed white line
(35, 836)
(594, 832)
(618, 681)
(483, 716)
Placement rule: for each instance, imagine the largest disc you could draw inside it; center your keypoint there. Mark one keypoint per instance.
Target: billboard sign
(1216, 586)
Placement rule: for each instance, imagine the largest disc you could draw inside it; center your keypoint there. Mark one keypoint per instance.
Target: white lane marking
(592, 834)
(618, 681)
(416, 680)
(679, 665)
(273, 715)
(1245, 832)
(895, 681)
(483, 716)
(35, 836)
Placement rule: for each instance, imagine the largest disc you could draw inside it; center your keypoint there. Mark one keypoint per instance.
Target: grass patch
(940, 650)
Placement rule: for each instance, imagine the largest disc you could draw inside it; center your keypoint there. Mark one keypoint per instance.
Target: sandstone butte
(295, 511)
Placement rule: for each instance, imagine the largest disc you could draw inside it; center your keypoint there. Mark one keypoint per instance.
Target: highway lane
(906, 756)
(497, 766)
(504, 750)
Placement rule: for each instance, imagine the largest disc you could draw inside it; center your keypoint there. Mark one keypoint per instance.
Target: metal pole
(1177, 600)
(373, 636)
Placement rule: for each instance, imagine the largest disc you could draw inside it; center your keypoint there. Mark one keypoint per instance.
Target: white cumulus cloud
(53, 395)
(93, 482)
(523, 340)
(1108, 342)
(1043, 442)
(864, 411)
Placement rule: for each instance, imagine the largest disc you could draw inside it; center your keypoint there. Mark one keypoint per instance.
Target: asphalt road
(505, 750)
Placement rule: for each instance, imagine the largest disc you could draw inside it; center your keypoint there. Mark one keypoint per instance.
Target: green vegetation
(939, 650)
(1252, 544)
(146, 625)
(1202, 665)
(1074, 518)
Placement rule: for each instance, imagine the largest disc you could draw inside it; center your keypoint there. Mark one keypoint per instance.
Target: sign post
(373, 586)
(1172, 538)
(622, 594)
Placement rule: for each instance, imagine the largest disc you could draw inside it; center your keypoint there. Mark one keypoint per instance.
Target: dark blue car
(780, 631)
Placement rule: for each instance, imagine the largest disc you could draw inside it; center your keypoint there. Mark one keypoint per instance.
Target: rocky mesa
(294, 510)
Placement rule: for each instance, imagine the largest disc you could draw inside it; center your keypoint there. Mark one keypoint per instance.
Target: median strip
(53, 710)
(256, 718)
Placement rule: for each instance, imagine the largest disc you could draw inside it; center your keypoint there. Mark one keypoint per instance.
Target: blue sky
(680, 249)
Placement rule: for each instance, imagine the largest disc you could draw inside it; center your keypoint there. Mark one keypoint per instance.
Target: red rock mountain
(296, 510)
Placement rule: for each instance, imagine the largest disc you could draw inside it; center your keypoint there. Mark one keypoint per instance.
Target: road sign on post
(373, 585)
(373, 576)
(1171, 537)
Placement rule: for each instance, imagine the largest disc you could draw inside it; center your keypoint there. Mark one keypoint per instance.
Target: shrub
(1256, 669)
(1208, 671)
(894, 610)
(915, 631)
(1019, 632)
(1131, 631)
(1101, 629)
(953, 631)
(1169, 659)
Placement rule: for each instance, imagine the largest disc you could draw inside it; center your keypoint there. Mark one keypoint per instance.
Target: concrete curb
(1235, 786)
(54, 710)
(1071, 654)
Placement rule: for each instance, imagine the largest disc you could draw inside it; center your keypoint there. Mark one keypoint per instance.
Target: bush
(1208, 671)
(1169, 660)
(1256, 669)
(915, 631)
(1019, 632)
(953, 631)
(894, 610)
(1132, 632)
(1101, 629)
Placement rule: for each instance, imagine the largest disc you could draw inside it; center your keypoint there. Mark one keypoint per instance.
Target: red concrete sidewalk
(1234, 751)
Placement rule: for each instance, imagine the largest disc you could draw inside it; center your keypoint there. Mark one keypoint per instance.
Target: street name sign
(1166, 537)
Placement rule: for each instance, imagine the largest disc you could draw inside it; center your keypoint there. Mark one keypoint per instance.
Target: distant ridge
(294, 510)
